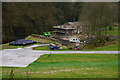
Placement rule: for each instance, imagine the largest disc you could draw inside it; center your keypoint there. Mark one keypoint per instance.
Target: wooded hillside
(21, 19)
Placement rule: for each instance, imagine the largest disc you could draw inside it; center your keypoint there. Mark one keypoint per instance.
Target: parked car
(74, 39)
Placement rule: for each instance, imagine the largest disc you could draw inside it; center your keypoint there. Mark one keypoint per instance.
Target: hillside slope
(23, 18)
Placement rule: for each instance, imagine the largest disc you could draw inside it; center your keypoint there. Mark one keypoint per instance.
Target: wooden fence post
(11, 75)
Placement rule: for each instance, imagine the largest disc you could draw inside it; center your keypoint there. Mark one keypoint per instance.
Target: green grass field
(68, 66)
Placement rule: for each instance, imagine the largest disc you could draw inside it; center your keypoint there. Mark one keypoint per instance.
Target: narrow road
(87, 52)
(56, 52)
(22, 57)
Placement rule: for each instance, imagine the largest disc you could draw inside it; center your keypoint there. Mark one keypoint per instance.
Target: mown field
(68, 66)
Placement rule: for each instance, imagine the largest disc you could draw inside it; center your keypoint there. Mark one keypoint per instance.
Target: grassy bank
(39, 40)
(7, 46)
(68, 66)
(113, 47)
(105, 48)
(114, 31)
(47, 48)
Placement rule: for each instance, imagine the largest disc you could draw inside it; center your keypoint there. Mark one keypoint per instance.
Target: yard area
(68, 66)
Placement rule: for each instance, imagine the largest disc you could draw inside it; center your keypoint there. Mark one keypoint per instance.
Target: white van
(74, 39)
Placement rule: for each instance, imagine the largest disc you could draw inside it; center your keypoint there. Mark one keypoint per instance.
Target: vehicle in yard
(47, 34)
(74, 39)
(53, 47)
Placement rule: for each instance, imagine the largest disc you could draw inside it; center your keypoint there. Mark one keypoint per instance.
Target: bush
(98, 42)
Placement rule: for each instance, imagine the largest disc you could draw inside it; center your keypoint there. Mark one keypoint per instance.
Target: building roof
(68, 25)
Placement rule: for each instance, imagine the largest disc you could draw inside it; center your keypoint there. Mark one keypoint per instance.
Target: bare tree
(98, 17)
